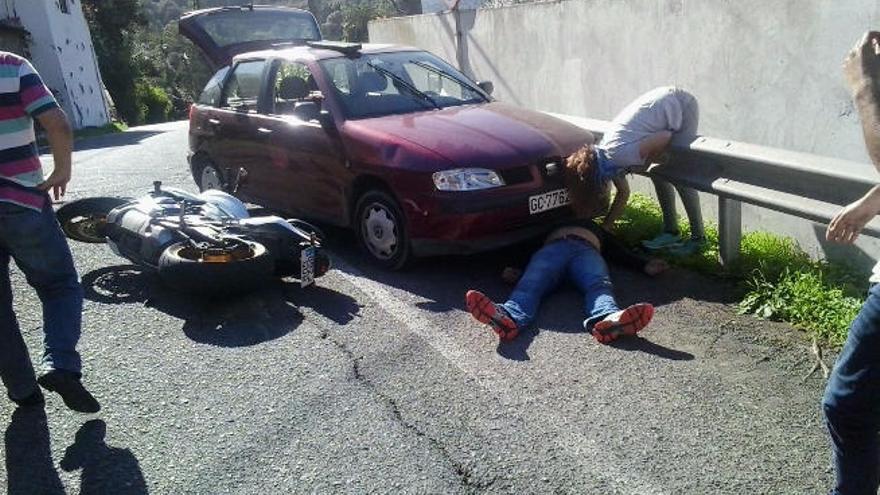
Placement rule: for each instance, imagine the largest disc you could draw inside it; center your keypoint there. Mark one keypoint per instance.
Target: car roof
(314, 53)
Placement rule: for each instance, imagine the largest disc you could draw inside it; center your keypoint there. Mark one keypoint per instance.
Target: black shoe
(71, 390)
(34, 400)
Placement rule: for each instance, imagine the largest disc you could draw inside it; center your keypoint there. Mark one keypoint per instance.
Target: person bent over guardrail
(639, 136)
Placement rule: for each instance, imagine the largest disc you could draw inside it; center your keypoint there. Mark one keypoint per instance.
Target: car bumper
(450, 225)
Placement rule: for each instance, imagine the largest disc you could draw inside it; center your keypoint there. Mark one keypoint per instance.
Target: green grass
(111, 128)
(779, 280)
(86, 132)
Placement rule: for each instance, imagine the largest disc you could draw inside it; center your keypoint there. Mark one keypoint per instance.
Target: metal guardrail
(808, 186)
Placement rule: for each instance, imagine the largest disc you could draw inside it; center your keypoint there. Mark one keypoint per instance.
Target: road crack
(466, 476)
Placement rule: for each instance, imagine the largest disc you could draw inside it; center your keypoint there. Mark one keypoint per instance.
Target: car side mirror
(486, 86)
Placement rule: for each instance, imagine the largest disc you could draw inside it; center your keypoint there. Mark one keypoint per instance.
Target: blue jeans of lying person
(569, 259)
(35, 241)
(852, 404)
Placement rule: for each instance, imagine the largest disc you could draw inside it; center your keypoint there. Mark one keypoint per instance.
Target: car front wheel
(381, 230)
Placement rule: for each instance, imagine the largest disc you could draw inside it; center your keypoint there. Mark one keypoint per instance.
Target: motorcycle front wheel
(218, 271)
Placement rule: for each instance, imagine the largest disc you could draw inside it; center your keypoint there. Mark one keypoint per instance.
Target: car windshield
(378, 84)
(229, 28)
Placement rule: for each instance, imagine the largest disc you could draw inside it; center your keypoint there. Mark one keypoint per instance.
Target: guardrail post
(729, 229)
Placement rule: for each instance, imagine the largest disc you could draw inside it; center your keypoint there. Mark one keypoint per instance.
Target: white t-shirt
(662, 109)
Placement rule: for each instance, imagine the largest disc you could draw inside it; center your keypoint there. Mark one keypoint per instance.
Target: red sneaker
(486, 311)
(628, 321)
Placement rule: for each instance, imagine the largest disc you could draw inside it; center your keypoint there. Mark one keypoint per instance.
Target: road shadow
(641, 344)
(443, 281)
(116, 140)
(518, 348)
(237, 321)
(29, 466)
(105, 469)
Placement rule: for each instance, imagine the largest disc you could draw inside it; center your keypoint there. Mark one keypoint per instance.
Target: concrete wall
(766, 72)
(61, 50)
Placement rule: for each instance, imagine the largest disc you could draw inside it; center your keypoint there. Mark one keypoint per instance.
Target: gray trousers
(665, 191)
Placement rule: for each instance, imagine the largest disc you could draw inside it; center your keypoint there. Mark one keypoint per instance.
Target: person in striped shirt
(30, 235)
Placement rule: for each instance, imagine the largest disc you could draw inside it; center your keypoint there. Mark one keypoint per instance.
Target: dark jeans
(852, 404)
(577, 261)
(35, 241)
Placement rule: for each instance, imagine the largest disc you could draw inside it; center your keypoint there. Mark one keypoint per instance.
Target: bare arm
(60, 137)
(862, 70)
(621, 197)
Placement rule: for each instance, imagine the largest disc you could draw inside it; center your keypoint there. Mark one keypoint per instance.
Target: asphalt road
(376, 382)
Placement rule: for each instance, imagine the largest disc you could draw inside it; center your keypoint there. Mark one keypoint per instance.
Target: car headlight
(467, 179)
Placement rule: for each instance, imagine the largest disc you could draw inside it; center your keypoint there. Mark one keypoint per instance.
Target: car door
(304, 161)
(237, 140)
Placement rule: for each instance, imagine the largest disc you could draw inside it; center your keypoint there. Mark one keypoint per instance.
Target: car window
(293, 83)
(433, 81)
(339, 77)
(243, 86)
(211, 94)
(236, 26)
(378, 84)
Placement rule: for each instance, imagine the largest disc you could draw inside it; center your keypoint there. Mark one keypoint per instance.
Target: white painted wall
(765, 72)
(61, 50)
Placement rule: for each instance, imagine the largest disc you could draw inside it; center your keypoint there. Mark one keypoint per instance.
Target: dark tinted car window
(243, 86)
(229, 28)
(211, 94)
(293, 83)
(378, 84)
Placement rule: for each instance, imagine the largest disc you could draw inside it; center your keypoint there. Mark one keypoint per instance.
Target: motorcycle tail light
(322, 265)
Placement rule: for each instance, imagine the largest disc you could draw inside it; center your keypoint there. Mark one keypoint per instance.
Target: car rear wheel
(381, 230)
(210, 176)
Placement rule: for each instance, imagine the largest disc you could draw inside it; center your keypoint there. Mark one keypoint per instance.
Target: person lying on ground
(639, 136)
(574, 252)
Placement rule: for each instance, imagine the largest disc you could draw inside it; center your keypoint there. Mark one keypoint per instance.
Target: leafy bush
(778, 278)
(153, 102)
(806, 298)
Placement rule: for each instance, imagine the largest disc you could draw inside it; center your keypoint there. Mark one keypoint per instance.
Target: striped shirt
(23, 96)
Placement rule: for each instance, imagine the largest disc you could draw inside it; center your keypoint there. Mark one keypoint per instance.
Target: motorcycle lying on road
(202, 243)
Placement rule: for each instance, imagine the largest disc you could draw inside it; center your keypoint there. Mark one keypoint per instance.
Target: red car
(390, 141)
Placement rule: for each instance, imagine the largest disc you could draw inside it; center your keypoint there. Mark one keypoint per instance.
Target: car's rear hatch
(221, 33)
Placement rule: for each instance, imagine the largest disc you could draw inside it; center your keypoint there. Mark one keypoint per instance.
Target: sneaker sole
(484, 310)
(634, 319)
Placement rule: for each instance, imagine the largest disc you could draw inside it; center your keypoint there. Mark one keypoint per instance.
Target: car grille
(516, 175)
(523, 174)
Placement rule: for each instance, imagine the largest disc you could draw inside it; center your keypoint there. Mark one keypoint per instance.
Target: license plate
(307, 267)
(548, 201)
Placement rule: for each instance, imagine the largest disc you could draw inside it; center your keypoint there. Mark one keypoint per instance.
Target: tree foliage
(152, 73)
(112, 23)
